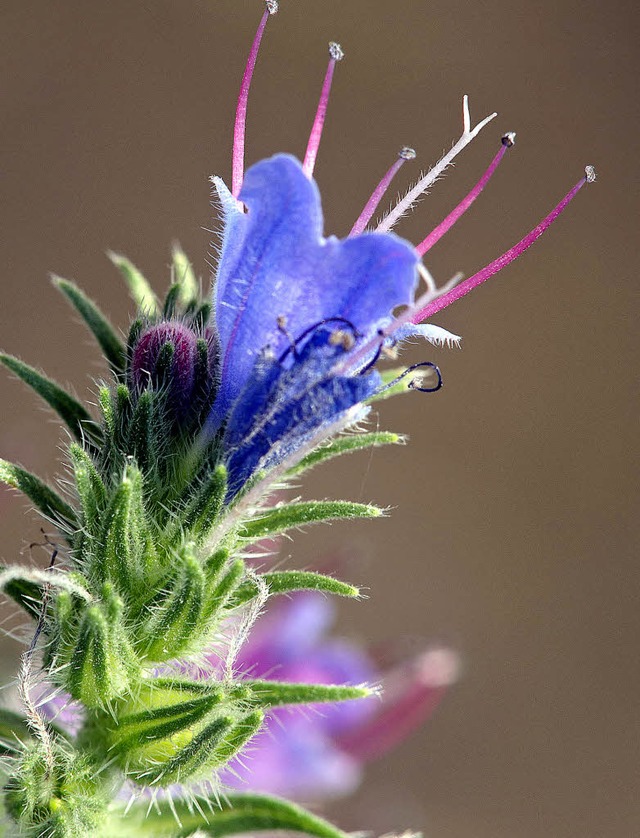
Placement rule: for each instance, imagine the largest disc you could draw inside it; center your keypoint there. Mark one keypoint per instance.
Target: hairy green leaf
(219, 817)
(287, 581)
(176, 621)
(69, 409)
(44, 498)
(26, 593)
(278, 693)
(222, 593)
(107, 337)
(201, 513)
(91, 489)
(345, 445)
(279, 519)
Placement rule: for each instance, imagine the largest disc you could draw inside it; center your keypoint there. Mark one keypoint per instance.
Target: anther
(342, 338)
(590, 174)
(281, 323)
(435, 235)
(335, 51)
(335, 54)
(372, 204)
(237, 163)
(349, 329)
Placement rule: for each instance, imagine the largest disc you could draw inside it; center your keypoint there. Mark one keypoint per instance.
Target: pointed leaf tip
(185, 276)
(288, 581)
(104, 333)
(139, 288)
(48, 502)
(69, 409)
(279, 519)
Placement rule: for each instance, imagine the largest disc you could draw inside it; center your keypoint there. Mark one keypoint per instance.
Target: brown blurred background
(516, 506)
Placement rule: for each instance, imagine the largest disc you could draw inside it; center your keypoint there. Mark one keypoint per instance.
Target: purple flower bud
(173, 358)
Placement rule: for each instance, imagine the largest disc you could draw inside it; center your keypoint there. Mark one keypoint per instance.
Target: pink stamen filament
(237, 165)
(436, 234)
(380, 190)
(335, 55)
(502, 261)
(432, 301)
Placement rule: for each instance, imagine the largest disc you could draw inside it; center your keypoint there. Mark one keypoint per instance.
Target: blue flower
(291, 307)
(302, 319)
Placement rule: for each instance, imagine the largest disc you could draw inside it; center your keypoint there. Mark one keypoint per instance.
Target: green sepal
(202, 511)
(233, 814)
(107, 337)
(171, 728)
(137, 731)
(135, 330)
(197, 754)
(105, 400)
(70, 410)
(176, 618)
(140, 290)
(238, 737)
(279, 519)
(102, 662)
(91, 489)
(141, 438)
(227, 582)
(170, 307)
(184, 276)
(48, 502)
(345, 445)
(278, 693)
(201, 315)
(121, 556)
(287, 581)
(163, 364)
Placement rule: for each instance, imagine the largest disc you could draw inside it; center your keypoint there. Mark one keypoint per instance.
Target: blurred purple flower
(311, 752)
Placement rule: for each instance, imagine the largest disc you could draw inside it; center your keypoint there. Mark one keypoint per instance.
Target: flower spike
(404, 154)
(445, 299)
(241, 110)
(468, 134)
(335, 54)
(508, 141)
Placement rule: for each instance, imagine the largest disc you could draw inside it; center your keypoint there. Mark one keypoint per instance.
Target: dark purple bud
(175, 359)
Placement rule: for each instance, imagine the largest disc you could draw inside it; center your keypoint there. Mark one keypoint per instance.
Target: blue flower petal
(275, 266)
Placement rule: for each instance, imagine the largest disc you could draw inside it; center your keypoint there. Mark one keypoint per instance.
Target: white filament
(405, 204)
